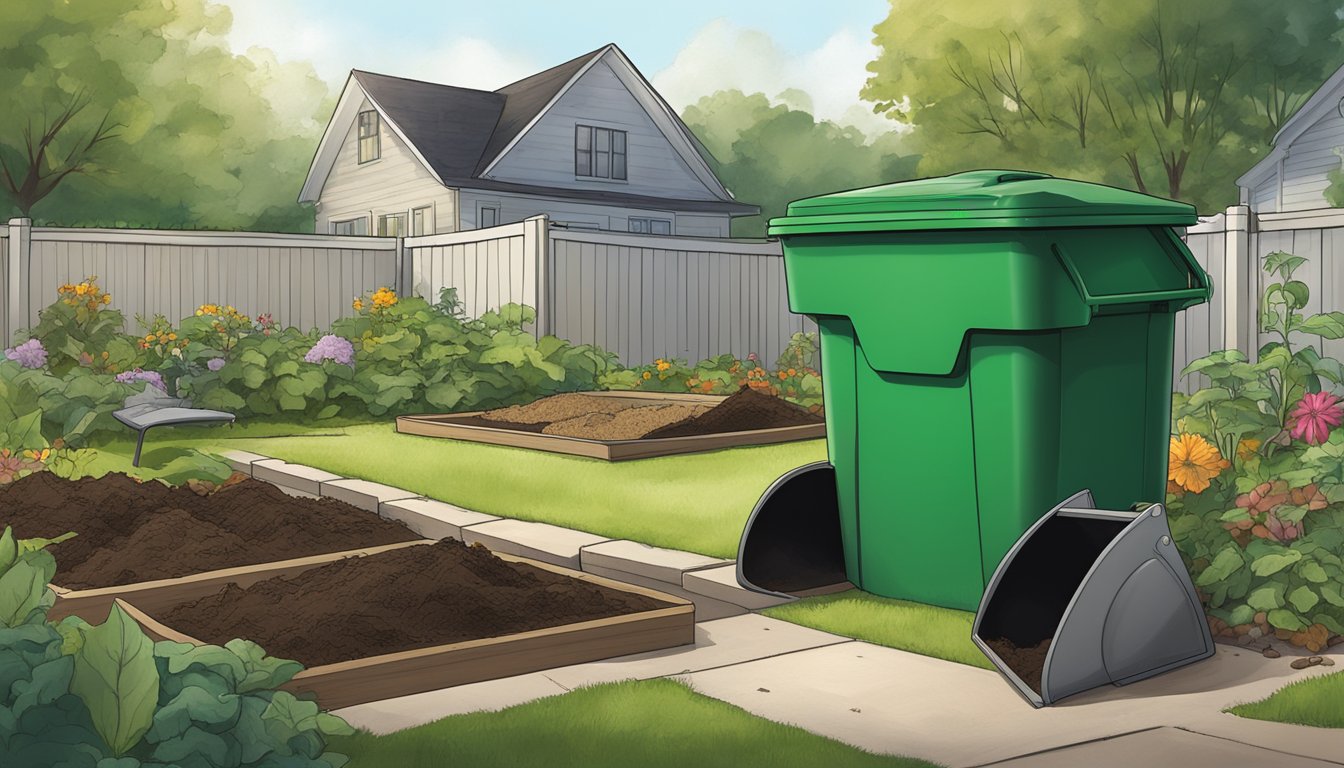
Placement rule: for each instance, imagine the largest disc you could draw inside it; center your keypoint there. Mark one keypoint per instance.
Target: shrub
(38, 409)
(793, 378)
(1257, 476)
(79, 329)
(72, 694)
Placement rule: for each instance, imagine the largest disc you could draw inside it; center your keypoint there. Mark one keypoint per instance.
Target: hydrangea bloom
(154, 378)
(29, 354)
(215, 363)
(332, 347)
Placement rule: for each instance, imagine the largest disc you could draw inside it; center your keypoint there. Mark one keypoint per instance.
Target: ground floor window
(422, 222)
(489, 216)
(392, 225)
(651, 226)
(359, 226)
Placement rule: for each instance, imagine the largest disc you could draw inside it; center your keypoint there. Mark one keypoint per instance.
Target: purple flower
(154, 378)
(332, 347)
(29, 354)
(215, 363)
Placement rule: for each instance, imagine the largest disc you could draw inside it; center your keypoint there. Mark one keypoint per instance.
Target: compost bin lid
(979, 200)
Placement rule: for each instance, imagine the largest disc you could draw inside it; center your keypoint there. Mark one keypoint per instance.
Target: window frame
(645, 224)
(385, 217)
(335, 224)
(589, 157)
(376, 135)
(426, 220)
(481, 208)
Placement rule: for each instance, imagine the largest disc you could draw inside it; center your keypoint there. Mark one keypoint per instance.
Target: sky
(687, 48)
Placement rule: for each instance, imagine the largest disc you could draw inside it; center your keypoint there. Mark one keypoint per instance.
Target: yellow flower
(149, 337)
(172, 337)
(647, 375)
(1247, 448)
(358, 305)
(107, 298)
(82, 289)
(1193, 462)
(663, 365)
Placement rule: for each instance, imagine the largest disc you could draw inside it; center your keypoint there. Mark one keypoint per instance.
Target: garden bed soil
(628, 425)
(1026, 663)
(583, 416)
(131, 532)
(399, 600)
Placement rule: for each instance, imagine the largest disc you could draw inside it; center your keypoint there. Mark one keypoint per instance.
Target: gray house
(589, 143)
(1292, 177)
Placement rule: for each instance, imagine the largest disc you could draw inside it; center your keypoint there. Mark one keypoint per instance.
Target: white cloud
(723, 55)
(335, 47)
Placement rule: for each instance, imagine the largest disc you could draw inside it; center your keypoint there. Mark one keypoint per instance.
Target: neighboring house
(1292, 177)
(589, 143)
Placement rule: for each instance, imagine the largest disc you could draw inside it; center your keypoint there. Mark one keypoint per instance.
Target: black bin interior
(1041, 580)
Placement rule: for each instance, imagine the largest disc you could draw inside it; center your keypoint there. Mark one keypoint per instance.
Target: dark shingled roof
(459, 131)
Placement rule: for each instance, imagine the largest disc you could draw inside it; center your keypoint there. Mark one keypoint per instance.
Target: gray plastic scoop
(1106, 589)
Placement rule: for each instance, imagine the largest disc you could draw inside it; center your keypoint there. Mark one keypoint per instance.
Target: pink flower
(1315, 415)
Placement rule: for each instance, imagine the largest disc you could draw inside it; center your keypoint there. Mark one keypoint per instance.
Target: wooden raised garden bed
(140, 540)
(599, 413)
(662, 621)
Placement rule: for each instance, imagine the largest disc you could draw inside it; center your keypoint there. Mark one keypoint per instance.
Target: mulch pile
(131, 532)
(408, 598)
(1026, 663)
(601, 418)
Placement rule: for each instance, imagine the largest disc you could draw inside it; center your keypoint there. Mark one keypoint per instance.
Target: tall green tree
(136, 113)
(1173, 99)
(770, 155)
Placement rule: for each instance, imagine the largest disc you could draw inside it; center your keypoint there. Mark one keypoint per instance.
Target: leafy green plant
(1265, 540)
(107, 697)
(80, 329)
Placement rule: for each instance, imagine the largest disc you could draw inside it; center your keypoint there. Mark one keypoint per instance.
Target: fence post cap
(20, 222)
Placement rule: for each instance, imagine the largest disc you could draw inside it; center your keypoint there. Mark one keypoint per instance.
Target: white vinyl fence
(1231, 247)
(302, 280)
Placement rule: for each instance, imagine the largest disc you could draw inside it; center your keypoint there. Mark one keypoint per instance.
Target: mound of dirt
(626, 424)
(747, 409)
(1026, 663)
(130, 531)
(394, 601)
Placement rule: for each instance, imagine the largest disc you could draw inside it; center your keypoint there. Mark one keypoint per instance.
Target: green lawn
(1314, 701)
(651, 724)
(695, 502)
(926, 629)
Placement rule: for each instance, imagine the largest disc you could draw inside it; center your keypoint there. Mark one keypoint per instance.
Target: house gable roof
(459, 134)
(1322, 102)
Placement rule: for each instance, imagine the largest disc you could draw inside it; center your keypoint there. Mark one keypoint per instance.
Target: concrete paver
(706, 608)
(363, 494)
(721, 584)
(668, 565)
(241, 461)
(409, 711)
(886, 700)
(432, 519)
(539, 541)
(1163, 748)
(296, 476)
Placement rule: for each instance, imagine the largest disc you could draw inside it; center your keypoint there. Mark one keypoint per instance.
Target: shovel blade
(792, 540)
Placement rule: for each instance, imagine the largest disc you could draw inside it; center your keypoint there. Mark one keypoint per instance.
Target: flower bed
(1256, 474)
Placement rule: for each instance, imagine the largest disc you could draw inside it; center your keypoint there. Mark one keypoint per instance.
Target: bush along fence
(1256, 474)
(107, 695)
(61, 380)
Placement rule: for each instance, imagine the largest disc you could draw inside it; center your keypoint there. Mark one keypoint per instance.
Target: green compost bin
(991, 342)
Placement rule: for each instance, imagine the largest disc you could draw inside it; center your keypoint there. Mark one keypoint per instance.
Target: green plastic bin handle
(1193, 294)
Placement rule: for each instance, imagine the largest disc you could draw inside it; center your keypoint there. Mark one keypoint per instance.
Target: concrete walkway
(876, 698)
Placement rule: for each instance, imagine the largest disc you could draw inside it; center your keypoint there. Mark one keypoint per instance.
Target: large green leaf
(22, 588)
(1271, 564)
(1283, 264)
(1303, 599)
(117, 680)
(262, 672)
(1331, 594)
(1327, 325)
(25, 433)
(1286, 619)
(1227, 562)
(1266, 598)
(1313, 572)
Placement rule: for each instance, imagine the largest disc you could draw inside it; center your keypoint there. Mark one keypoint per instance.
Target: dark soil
(131, 532)
(1027, 663)
(415, 597)
(744, 410)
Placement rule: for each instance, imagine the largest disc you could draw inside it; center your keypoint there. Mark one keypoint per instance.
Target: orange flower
(1247, 448)
(1193, 462)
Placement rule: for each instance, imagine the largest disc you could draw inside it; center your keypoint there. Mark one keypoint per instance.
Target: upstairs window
(370, 148)
(599, 152)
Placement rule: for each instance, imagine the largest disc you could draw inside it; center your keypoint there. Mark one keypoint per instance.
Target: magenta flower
(1315, 415)
(29, 354)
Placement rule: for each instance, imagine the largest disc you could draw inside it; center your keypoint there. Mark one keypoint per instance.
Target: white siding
(545, 154)
(1310, 157)
(702, 225)
(394, 183)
